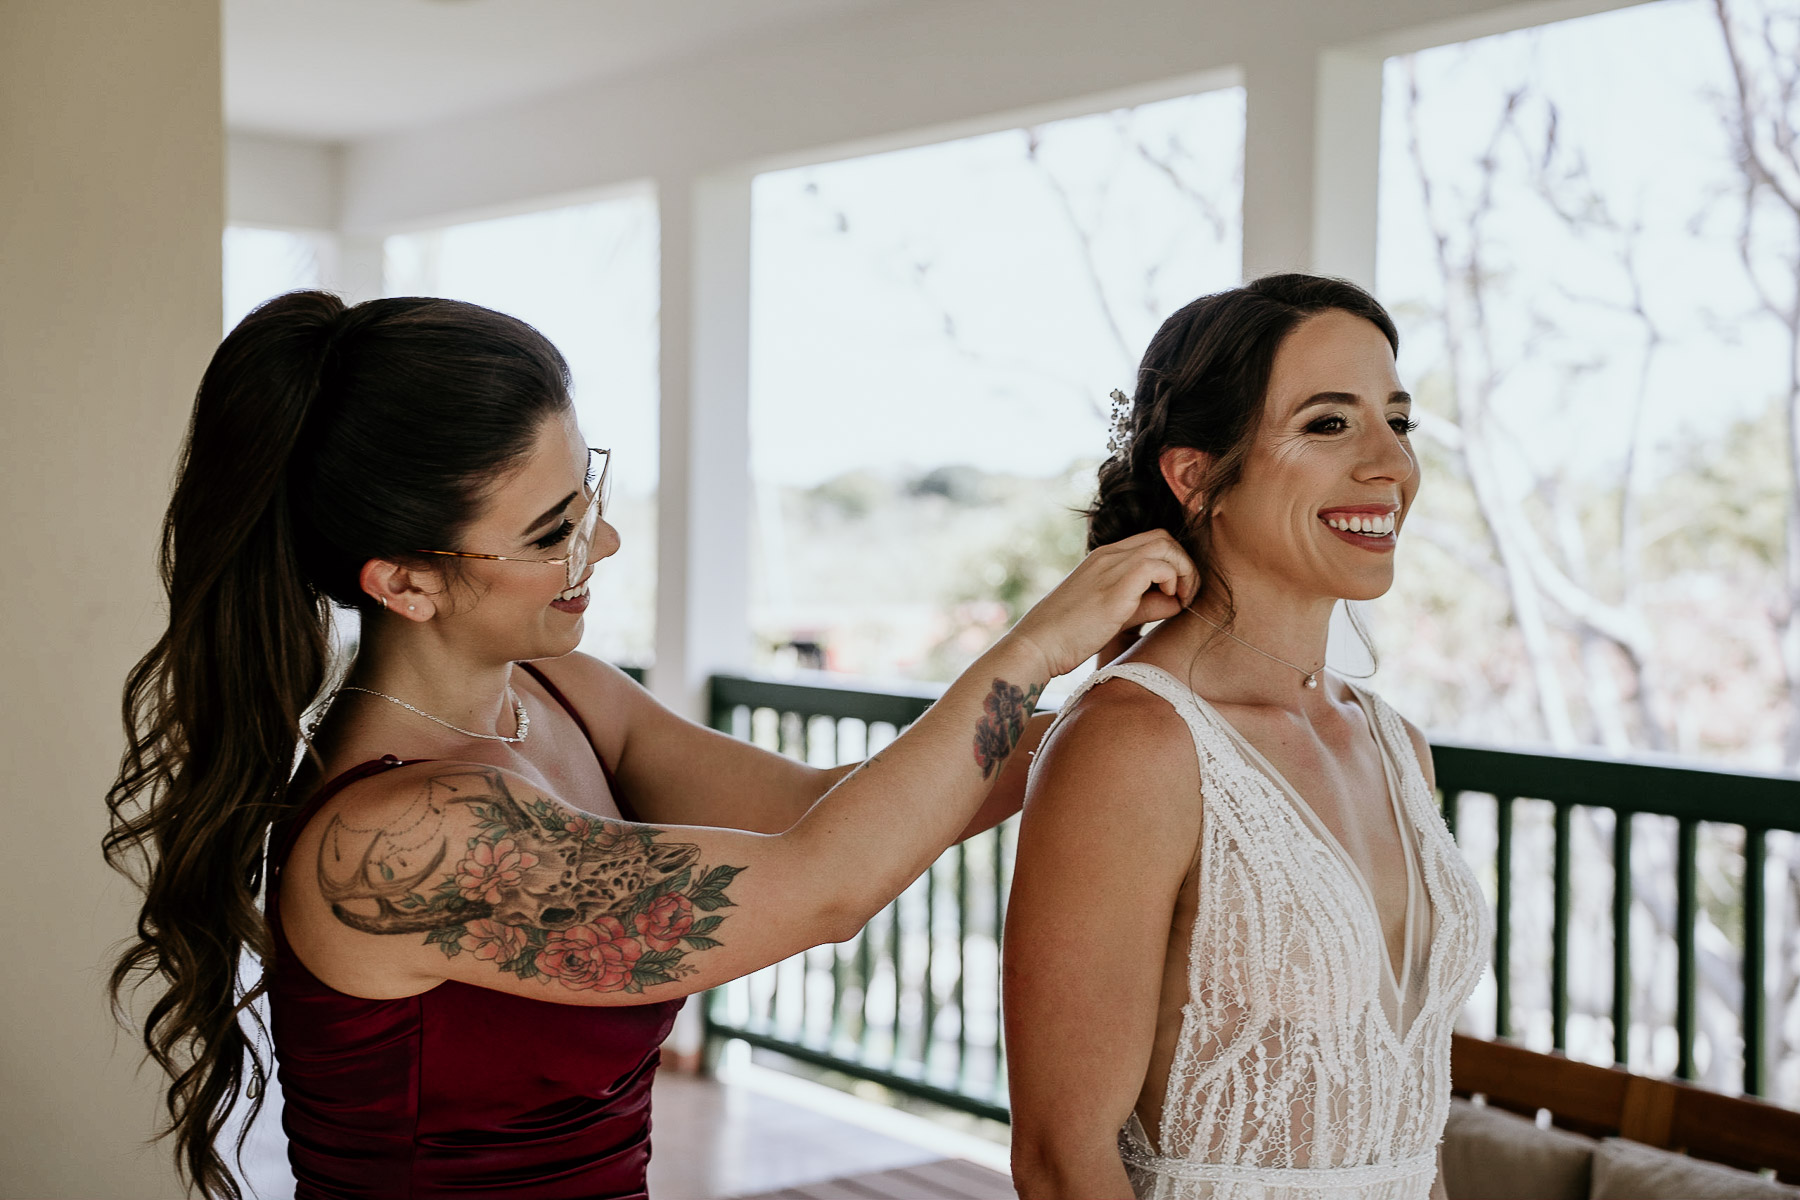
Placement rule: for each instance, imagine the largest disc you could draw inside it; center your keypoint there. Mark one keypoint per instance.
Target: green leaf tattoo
(541, 891)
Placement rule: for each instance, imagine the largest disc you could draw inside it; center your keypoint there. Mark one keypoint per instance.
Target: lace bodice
(1309, 1064)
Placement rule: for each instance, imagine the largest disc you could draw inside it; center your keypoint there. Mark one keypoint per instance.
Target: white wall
(283, 183)
(111, 207)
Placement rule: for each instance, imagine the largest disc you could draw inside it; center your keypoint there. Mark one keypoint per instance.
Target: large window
(935, 332)
(586, 276)
(1595, 277)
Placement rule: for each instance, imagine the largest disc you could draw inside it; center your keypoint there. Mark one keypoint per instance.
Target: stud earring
(412, 608)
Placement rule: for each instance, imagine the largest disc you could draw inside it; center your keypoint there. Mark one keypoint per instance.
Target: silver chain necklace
(1311, 677)
(520, 716)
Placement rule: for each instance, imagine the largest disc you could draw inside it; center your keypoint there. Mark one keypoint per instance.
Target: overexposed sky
(934, 305)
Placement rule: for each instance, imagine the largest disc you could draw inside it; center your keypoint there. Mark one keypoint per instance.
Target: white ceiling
(338, 70)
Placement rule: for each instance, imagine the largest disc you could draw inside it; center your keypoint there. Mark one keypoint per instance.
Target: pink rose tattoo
(664, 923)
(493, 941)
(599, 956)
(488, 869)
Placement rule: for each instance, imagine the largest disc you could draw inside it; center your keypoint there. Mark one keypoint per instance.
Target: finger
(1155, 607)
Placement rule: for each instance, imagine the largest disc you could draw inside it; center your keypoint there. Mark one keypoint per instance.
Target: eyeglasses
(598, 485)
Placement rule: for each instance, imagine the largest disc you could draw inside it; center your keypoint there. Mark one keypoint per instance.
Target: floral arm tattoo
(1008, 708)
(541, 892)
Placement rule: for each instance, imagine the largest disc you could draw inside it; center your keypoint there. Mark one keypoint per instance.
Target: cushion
(1631, 1171)
(1490, 1154)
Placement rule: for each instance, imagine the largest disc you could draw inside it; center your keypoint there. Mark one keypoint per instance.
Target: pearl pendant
(1312, 681)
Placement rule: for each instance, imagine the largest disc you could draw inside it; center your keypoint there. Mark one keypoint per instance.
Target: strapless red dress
(461, 1090)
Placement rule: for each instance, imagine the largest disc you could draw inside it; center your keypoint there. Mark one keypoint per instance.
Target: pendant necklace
(1311, 678)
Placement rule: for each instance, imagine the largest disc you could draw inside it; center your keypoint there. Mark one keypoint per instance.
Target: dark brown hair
(1201, 384)
(322, 436)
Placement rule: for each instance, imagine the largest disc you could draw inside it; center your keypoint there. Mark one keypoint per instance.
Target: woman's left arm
(677, 772)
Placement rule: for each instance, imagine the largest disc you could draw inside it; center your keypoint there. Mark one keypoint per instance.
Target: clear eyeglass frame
(581, 539)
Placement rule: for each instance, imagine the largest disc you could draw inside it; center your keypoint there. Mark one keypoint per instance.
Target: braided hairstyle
(1201, 384)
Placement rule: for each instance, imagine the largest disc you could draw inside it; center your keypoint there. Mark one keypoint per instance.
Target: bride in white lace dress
(1239, 932)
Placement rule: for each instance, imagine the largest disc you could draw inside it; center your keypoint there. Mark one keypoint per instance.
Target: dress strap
(556, 694)
(1151, 679)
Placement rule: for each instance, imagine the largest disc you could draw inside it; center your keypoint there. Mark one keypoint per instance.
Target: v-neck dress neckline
(1418, 900)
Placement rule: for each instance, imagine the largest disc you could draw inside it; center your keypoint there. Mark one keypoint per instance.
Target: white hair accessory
(1119, 433)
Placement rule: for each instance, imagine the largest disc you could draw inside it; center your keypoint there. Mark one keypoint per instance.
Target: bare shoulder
(1121, 750)
(1111, 824)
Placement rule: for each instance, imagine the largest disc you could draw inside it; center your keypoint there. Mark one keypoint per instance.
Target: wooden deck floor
(734, 1140)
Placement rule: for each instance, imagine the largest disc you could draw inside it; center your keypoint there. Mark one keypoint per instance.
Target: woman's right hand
(1146, 577)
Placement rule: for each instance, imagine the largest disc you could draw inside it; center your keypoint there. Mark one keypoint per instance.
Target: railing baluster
(865, 971)
(1756, 848)
(999, 930)
(895, 935)
(1621, 916)
(1686, 896)
(960, 995)
(929, 1000)
(1559, 932)
(1503, 853)
(838, 1015)
(772, 1017)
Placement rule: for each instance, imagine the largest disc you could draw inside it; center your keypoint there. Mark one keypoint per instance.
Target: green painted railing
(912, 1001)
(1754, 803)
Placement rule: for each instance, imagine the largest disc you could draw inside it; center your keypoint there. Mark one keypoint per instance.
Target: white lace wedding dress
(1306, 1067)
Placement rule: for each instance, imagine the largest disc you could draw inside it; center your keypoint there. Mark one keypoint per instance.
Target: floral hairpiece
(1119, 433)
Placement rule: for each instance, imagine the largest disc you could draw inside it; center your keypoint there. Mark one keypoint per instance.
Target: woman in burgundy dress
(501, 865)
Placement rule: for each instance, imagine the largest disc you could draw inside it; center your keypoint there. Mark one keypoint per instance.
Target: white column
(1280, 112)
(1311, 158)
(703, 496)
(1346, 165)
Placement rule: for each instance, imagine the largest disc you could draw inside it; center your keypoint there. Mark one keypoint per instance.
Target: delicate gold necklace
(520, 717)
(1311, 677)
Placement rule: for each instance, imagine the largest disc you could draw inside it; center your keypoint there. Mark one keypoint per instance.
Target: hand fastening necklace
(1311, 677)
(520, 716)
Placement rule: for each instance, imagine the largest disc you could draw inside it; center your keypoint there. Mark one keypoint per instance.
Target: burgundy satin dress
(461, 1090)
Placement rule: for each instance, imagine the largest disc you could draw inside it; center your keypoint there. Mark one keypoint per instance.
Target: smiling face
(524, 609)
(1330, 472)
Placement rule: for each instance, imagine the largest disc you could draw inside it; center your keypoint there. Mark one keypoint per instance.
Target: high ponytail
(322, 436)
(1201, 384)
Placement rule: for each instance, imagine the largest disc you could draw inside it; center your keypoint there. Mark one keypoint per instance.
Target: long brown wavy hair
(322, 437)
